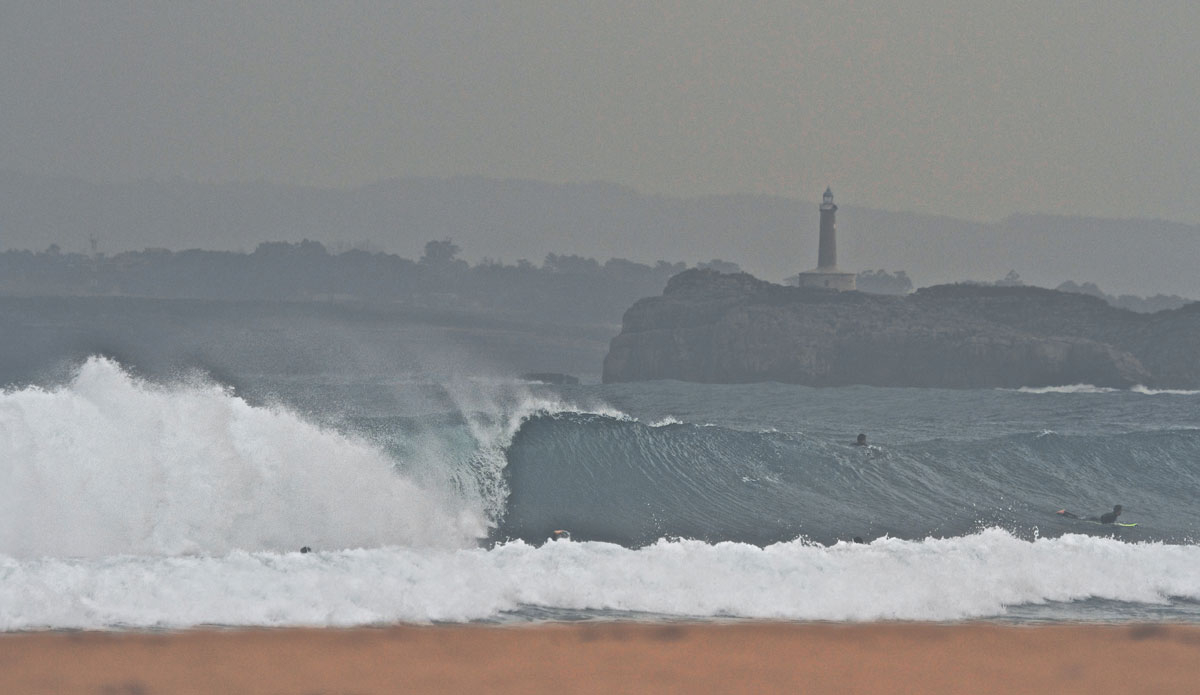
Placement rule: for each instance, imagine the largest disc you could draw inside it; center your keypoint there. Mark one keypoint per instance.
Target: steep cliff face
(711, 327)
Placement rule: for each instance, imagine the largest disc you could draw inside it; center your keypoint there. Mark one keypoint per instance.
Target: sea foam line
(889, 579)
(1088, 388)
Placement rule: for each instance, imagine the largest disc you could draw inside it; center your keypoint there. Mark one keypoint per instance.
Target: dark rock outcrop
(713, 327)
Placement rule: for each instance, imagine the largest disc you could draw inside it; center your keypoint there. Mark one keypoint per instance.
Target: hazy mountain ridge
(510, 219)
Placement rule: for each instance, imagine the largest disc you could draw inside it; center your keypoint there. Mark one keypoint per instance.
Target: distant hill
(732, 328)
(507, 220)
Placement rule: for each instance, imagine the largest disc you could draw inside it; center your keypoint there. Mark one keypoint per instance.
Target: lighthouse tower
(827, 254)
(827, 274)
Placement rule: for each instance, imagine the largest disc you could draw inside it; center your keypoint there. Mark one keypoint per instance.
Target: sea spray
(467, 449)
(110, 464)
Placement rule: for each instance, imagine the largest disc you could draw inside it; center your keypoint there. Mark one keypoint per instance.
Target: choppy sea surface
(135, 504)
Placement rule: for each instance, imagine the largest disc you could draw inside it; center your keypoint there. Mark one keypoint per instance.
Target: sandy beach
(611, 658)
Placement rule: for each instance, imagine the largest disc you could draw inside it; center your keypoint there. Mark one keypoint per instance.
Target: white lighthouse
(827, 274)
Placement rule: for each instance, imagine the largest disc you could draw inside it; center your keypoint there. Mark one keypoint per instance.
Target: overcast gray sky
(973, 110)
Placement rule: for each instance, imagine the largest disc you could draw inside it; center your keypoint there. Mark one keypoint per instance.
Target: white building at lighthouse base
(827, 278)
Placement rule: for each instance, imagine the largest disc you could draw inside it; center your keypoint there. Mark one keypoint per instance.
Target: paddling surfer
(1105, 518)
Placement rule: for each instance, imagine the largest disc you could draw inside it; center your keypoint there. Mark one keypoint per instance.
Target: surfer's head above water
(862, 440)
(560, 535)
(1105, 518)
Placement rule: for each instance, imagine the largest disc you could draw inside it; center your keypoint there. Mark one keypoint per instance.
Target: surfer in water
(1105, 518)
(861, 441)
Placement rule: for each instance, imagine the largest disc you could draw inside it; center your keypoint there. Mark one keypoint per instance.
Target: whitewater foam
(959, 578)
(666, 422)
(1074, 388)
(109, 464)
(1163, 392)
(1088, 388)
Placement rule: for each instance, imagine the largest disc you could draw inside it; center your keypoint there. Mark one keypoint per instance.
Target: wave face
(108, 464)
(626, 482)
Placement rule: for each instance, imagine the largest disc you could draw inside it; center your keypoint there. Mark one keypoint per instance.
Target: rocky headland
(733, 328)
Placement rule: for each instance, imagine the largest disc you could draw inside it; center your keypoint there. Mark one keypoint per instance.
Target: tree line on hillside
(1142, 305)
(564, 288)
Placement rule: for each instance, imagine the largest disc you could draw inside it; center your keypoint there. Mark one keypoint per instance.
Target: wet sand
(611, 658)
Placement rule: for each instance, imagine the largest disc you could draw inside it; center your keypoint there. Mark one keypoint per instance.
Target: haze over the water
(972, 111)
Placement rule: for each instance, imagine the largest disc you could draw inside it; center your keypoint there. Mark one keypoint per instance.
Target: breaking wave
(126, 503)
(109, 464)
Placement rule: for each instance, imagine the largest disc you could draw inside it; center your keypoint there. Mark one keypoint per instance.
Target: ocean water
(127, 503)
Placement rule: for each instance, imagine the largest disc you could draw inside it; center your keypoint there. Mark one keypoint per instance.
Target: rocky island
(733, 328)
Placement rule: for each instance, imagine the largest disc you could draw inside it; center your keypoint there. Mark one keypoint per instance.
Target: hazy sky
(968, 109)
